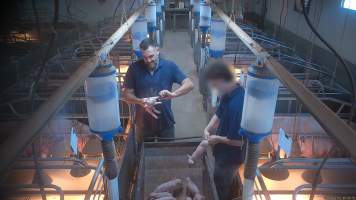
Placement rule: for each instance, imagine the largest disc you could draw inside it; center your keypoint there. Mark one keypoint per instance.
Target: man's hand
(206, 134)
(149, 105)
(166, 94)
(214, 139)
(150, 101)
(152, 111)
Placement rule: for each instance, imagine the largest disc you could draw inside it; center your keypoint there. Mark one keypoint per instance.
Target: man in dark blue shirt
(148, 83)
(223, 128)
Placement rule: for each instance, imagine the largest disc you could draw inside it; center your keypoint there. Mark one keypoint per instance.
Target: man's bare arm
(212, 126)
(228, 141)
(147, 103)
(215, 139)
(186, 86)
(129, 96)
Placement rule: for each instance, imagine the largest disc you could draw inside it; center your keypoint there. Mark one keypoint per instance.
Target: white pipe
(113, 189)
(248, 189)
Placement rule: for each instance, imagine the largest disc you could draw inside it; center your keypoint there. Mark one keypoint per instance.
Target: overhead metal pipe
(16, 143)
(333, 125)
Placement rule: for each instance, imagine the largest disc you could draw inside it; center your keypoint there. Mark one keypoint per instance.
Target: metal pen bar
(8, 188)
(100, 185)
(54, 167)
(94, 179)
(304, 163)
(56, 159)
(32, 192)
(263, 185)
(333, 125)
(332, 187)
(38, 170)
(11, 147)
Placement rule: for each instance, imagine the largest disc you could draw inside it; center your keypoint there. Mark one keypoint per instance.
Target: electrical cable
(117, 7)
(353, 98)
(50, 46)
(68, 4)
(316, 22)
(341, 42)
(280, 17)
(341, 60)
(263, 14)
(35, 12)
(286, 15)
(133, 3)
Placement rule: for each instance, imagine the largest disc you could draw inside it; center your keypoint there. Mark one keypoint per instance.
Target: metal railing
(95, 189)
(332, 188)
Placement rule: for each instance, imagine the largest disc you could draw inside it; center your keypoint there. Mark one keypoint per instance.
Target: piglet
(169, 186)
(167, 198)
(160, 195)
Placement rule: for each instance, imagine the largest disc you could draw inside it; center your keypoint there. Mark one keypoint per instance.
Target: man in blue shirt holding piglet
(148, 83)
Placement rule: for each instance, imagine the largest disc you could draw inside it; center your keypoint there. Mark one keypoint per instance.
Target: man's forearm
(187, 86)
(212, 125)
(228, 141)
(131, 98)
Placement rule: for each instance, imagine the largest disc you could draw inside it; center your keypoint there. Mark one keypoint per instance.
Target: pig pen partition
(163, 161)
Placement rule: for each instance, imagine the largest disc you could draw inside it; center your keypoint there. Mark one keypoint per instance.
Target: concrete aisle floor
(188, 110)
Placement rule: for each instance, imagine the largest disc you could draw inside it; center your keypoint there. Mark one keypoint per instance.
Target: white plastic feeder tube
(104, 114)
(205, 17)
(218, 38)
(139, 33)
(257, 119)
(151, 16)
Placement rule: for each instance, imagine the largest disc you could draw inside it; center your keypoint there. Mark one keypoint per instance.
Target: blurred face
(221, 86)
(150, 56)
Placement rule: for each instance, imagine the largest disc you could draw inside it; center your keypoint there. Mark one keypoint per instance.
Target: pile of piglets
(177, 189)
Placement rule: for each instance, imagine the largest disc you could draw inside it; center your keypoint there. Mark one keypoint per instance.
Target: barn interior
(51, 50)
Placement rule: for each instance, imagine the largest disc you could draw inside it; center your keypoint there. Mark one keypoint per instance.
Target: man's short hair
(146, 43)
(218, 70)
